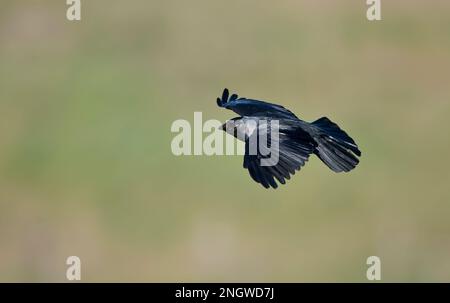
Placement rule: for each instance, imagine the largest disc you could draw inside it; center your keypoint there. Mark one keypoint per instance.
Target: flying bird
(296, 140)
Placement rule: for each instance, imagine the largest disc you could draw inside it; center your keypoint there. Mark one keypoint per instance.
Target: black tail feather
(335, 148)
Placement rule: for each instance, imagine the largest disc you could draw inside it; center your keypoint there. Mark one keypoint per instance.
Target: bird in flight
(295, 141)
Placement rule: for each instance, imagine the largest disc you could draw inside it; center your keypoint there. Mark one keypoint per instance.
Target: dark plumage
(296, 140)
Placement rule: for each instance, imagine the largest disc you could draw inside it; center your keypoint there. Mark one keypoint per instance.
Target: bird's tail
(334, 147)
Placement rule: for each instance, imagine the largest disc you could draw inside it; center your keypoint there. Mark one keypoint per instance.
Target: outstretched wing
(294, 148)
(251, 107)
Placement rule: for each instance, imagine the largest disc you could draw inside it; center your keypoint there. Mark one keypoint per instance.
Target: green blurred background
(86, 167)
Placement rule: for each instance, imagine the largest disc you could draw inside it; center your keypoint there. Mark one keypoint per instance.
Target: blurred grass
(85, 161)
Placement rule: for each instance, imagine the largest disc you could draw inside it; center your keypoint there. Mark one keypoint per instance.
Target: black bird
(296, 140)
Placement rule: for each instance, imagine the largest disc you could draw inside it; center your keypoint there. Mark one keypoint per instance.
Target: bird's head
(235, 127)
(230, 127)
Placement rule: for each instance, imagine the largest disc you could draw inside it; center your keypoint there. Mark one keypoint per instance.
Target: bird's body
(295, 140)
